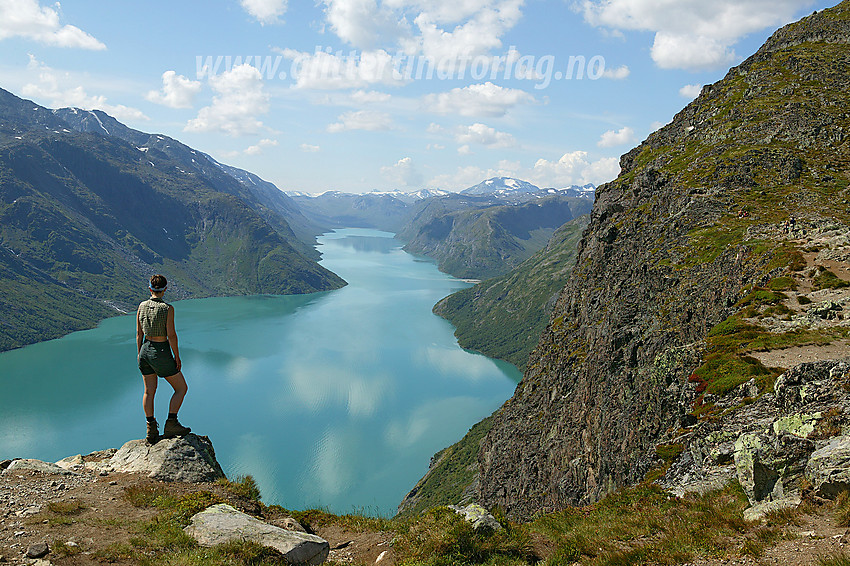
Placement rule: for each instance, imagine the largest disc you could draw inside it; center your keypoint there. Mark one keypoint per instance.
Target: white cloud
(265, 11)
(333, 71)
(692, 34)
(361, 120)
(613, 138)
(478, 35)
(402, 173)
(690, 91)
(683, 51)
(444, 31)
(310, 148)
(573, 169)
(369, 97)
(55, 94)
(239, 100)
(464, 150)
(461, 179)
(483, 135)
(26, 18)
(177, 91)
(601, 171)
(258, 147)
(485, 99)
(362, 22)
(511, 166)
(617, 74)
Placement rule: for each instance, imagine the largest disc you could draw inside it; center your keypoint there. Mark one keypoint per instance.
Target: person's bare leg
(172, 425)
(178, 382)
(150, 391)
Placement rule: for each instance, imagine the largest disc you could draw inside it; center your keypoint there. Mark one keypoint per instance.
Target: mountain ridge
(698, 218)
(86, 218)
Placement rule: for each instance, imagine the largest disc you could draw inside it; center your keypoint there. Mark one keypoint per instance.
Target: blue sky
(337, 95)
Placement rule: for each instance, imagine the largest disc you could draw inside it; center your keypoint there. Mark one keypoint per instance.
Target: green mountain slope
(276, 208)
(85, 219)
(478, 241)
(504, 316)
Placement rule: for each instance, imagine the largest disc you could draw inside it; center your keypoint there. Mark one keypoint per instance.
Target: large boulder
(222, 523)
(828, 468)
(35, 465)
(190, 459)
(770, 465)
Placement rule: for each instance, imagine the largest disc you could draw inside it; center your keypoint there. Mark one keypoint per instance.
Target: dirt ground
(105, 517)
(790, 357)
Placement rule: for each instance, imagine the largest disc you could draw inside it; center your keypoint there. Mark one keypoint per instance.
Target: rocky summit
(723, 242)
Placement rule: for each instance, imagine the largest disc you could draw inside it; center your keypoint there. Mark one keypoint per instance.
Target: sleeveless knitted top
(153, 317)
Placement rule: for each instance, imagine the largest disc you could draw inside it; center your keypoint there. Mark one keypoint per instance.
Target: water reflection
(378, 242)
(335, 400)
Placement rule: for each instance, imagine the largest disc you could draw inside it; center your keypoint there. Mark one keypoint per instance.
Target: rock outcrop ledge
(190, 459)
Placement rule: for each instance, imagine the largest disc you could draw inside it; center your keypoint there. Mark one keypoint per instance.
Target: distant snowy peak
(407, 197)
(584, 191)
(498, 185)
(508, 187)
(413, 196)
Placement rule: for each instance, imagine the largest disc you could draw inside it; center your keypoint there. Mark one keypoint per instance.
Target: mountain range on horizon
(504, 186)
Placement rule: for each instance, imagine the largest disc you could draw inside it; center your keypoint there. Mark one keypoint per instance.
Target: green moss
(759, 296)
(723, 371)
(782, 284)
(826, 279)
(669, 452)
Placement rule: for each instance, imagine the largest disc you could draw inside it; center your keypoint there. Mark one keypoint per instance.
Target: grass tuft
(441, 536)
(67, 507)
(826, 279)
(842, 509)
(244, 486)
(643, 525)
(835, 559)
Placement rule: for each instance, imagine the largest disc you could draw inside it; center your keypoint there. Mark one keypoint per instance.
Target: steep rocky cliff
(680, 275)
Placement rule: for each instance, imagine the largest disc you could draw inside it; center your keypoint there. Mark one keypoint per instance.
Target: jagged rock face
(666, 257)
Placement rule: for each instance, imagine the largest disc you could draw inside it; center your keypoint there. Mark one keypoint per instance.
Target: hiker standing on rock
(156, 342)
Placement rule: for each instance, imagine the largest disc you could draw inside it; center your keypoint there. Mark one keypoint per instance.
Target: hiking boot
(174, 428)
(153, 432)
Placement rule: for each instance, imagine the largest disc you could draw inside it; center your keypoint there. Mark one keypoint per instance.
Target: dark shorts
(155, 357)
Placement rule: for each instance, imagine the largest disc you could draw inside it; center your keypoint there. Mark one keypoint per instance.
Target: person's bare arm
(140, 336)
(172, 337)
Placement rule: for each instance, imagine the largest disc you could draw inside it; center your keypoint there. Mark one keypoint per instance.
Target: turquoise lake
(335, 400)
